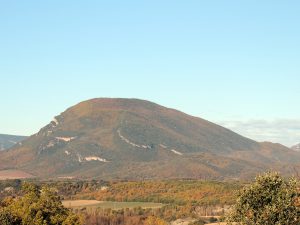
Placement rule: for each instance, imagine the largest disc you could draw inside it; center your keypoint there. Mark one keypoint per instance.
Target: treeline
(182, 198)
(65, 189)
(69, 189)
(10, 188)
(139, 216)
(177, 192)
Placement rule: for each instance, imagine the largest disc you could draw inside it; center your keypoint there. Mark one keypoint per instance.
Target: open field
(109, 204)
(14, 174)
(79, 203)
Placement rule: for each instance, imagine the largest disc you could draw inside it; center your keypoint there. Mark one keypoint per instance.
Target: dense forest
(270, 199)
(181, 198)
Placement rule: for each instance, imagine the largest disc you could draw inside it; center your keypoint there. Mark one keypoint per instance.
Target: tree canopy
(152, 220)
(271, 199)
(37, 206)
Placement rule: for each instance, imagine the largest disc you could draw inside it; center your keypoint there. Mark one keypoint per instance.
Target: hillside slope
(7, 141)
(130, 138)
(296, 147)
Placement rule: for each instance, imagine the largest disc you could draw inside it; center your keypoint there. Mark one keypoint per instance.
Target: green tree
(269, 200)
(7, 218)
(36, 207)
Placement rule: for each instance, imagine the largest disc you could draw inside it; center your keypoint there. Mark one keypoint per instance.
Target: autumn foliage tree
(269, 200)
(36, 207)
(153, 220)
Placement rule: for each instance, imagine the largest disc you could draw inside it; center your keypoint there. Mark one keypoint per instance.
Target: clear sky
(236, 63)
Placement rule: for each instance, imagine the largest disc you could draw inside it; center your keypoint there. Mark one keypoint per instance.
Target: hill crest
(131, 138)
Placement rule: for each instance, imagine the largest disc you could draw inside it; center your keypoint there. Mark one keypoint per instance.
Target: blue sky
(232, 62)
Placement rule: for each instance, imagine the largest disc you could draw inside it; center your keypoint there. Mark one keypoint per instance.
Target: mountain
(296, 147)
(136, 139)
(7, 141)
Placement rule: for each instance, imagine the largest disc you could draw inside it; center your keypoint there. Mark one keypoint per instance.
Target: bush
(7, 218)
(198, 222)
(269, 200)
(36, 207)
(152, 220)
(212, 219)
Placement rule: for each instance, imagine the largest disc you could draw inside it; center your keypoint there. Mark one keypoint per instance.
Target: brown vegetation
(135, 139)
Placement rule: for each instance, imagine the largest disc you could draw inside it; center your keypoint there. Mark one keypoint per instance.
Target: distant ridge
(7, 141)
(296, 147)
(137, 139)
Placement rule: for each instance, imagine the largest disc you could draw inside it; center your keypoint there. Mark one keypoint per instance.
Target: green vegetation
(37, 206)
(114, 205)
(269, 200)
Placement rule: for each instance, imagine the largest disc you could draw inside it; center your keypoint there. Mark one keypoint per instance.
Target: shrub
(36, 207)
(269, 200)
(152, 220)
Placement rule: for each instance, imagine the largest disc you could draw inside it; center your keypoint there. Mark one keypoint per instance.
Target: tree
(36, 207)
(7, 218)
(152, 220)
(269, 200)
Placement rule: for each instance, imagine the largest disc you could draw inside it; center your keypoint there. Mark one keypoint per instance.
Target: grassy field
(109, 204)
(79, 203)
